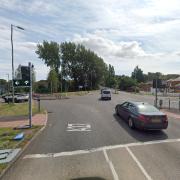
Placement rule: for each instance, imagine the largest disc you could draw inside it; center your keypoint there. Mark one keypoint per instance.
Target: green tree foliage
(49, 52)
(82, 65)
(53, 80)
(138, 75)
(125, 83)
(41, 86)
(110, 77)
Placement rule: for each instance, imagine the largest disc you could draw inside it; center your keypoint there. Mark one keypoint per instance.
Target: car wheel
(131, 123)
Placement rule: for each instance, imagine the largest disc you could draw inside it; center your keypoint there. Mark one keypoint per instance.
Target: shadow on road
(141, 135)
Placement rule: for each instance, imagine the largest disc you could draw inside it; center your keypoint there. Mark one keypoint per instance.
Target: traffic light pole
(30, 96)
(156, 93)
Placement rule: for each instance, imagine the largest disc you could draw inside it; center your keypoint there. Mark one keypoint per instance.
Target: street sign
(21, 83)
(22, 77)
(25, 72)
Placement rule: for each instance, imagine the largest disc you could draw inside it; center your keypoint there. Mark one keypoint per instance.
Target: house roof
(176, 79)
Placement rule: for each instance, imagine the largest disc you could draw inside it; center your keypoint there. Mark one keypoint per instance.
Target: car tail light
(164, 118)
(142, 118)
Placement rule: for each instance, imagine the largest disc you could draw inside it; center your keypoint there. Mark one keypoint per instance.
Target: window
(125, 105)
(132, 108)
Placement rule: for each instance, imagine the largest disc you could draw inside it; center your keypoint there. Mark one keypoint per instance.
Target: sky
(125, 33)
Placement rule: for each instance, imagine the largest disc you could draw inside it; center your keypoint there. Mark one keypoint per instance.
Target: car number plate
(156, 120)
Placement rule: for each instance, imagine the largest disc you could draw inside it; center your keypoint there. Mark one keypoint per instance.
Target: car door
(132, 111)
(123, 110)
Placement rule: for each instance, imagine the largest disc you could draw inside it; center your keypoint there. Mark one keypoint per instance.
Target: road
(85, 140)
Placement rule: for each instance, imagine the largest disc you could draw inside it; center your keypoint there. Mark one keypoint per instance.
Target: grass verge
(77, 93)
(7, 142)
(18, 109)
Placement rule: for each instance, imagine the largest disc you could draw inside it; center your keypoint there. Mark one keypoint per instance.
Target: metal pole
(61, 81)
(179, 102)
(8, 84)
(156, 92)
(169, 103)
(91, 80)
(30, 96)
(12, 63)
(136, 81)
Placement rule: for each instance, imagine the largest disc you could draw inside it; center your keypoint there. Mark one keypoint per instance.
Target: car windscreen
(145, 108)
(106, 92)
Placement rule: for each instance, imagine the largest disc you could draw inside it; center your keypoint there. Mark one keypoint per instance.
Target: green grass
(6, 139)
(77, 93)
(17, 109)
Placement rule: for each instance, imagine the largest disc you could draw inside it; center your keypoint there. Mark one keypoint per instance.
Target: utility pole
(8, 83)
(12, 54)
(136, 80)
(156, 92)
(91, 80)
(30, 95)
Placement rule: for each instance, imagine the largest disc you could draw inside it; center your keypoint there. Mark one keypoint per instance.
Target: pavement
(38, 119)
(85, 140)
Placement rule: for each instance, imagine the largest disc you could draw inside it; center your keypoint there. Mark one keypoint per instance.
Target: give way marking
(78, 127)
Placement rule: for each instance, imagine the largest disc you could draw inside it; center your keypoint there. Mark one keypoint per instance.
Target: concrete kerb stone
(24, 148)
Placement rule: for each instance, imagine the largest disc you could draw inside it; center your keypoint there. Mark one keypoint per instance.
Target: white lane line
(69, 153)
(115, 176)
(139, 164)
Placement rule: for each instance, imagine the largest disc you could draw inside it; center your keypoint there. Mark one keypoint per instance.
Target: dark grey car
(142, 115)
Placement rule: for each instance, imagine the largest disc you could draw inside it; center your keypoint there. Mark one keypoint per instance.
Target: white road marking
(78, 127)
(77, 152)
(139, 164)
(115, 176)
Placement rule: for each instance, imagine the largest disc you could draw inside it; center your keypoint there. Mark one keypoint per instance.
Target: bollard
(160, 103)
(39, 105)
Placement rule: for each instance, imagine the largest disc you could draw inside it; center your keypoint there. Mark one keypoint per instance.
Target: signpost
(25, 80)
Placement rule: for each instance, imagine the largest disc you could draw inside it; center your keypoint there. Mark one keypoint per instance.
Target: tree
(49, 52)
(138, 75)
(125, 83)
(53, 80)
(110, 77)
(83, 66)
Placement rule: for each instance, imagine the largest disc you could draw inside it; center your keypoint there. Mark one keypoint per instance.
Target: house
(146, 86)
(174, 85)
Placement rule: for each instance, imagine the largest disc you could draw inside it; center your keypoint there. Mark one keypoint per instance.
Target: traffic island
(14, 138)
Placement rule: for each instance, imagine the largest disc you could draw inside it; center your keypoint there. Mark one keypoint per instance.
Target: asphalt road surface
(85, 140)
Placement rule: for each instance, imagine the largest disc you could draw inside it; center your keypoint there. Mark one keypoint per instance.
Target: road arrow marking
(78, 127)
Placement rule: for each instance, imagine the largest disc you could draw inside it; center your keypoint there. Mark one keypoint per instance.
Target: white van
(106, 94)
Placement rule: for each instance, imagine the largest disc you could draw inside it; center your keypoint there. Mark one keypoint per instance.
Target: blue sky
(125, 33)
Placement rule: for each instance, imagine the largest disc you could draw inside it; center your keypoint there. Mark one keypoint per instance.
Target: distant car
(17, 98)
(106, 94)
(142, 115)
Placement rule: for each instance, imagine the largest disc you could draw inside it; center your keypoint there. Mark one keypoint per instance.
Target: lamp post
(18, 27)
(8, 83)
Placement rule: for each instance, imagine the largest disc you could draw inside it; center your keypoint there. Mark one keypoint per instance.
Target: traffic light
(159, 83)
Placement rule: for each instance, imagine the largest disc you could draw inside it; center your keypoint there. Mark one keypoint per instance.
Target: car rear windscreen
(106, 92)
(147, 108)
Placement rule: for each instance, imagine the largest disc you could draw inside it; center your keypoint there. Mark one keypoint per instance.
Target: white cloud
(125, 33)
(124, 56)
